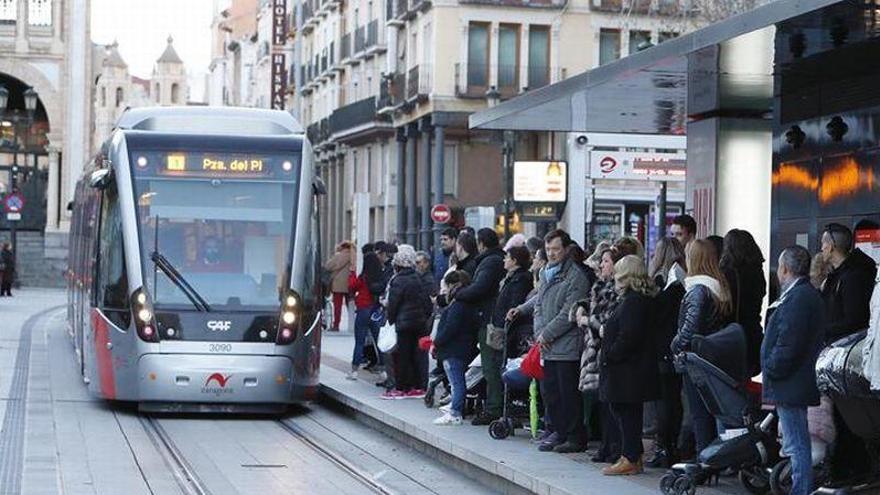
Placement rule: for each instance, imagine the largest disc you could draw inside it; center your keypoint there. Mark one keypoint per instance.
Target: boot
(623, 467)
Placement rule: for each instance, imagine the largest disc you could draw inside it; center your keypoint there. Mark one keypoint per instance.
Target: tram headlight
(291, 301)
(288, 317)
(145, 315)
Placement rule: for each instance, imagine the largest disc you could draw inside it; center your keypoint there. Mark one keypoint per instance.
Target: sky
(142, 26)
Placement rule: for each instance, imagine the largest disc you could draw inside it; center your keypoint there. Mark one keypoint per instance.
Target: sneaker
(484, 419)
(415, 393)
(448, 420)
(623, 467)
(447, 409)
(393, 395)
(353, 375)
(551, 442)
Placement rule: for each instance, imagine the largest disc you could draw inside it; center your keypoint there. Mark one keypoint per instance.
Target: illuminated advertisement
(637, 166)
(540, 182)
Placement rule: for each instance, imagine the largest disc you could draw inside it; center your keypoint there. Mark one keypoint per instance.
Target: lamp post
(30, 105)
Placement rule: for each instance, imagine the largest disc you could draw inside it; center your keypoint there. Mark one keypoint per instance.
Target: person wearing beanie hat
(515, 240)
(409, 307)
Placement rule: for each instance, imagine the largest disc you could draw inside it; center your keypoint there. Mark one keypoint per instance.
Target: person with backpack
(408, 309)
(366, 288)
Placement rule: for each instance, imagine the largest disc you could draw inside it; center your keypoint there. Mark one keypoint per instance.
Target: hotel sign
(279, 59)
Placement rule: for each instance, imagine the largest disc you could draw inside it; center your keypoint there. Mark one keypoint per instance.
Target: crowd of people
(608, 327)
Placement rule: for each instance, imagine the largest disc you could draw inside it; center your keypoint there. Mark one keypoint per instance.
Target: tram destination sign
(214, 165)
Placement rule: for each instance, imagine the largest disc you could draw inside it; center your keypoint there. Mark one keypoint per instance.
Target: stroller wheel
(780, 478)
(499, 429)
(754, 484)
(684, 485)
(667, 483)
(429, 396)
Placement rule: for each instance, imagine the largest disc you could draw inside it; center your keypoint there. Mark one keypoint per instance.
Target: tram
(194, 280)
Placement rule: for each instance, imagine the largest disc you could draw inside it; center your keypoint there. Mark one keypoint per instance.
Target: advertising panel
(638, 166)
(540, 182)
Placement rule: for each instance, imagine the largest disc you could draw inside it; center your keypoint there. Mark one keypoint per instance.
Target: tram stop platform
(513, 465)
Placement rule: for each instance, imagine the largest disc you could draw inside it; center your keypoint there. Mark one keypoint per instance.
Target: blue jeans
(455, 369)
(362, 326)
(796, 445)
(516, 380)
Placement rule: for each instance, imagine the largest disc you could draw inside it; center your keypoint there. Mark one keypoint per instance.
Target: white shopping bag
(387, 338)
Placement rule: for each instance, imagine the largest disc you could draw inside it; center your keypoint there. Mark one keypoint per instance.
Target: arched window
(175, 93)
(119, 96)
(103, 96)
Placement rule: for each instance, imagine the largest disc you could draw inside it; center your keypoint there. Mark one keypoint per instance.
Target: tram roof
(647, 92)
(234, 121)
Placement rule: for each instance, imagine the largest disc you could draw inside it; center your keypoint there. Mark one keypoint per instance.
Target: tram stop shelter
(780, 106)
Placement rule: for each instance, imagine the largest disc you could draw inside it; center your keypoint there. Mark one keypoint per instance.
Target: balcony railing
(307, 12)
(312, 132)
(473, 80)
(345, 47)
(324, 130)
(415, 5)
(332, 54)
(401, 8)
(641, 7)
(324, 65)
(372, 33)
(360, 40)
(354, 115)
(418, 80)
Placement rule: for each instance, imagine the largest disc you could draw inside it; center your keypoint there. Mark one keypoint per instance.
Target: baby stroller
(748, 445)
(842, 377)
(517, 408)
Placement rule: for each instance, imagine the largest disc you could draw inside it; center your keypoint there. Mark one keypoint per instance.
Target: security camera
(581, 140)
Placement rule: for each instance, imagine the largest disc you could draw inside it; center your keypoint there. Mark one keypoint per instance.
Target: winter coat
(600, 306)
(871, 350)
(667, 308)
(847, 292)
(514, 289)
(628, 358)
(8, 262)
(747, 290)
(794, 337)
(469, 265)
(408, 305)
(699, 312)
(339, 265)
(483, 289)
(427, 280)
(550, 309)
(456, 333)
(363, 298)
(441, 264)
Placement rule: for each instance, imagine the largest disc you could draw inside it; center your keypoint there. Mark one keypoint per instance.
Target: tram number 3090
(220, 348)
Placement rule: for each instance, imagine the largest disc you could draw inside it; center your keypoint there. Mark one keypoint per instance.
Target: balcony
(391, 91)
(308, 17)
(345, 48)
(401, 9)
(360, 40)
(312, 133)
(359, 114)
(418, 5)
(418, 83)
(374, 44)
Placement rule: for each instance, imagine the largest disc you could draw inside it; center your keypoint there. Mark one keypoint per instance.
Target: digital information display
(214, 165)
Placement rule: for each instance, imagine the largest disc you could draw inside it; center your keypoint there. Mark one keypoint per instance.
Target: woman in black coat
(743, 266)
(408, 310)
(514, 289)
(628, 361)
(667, 272)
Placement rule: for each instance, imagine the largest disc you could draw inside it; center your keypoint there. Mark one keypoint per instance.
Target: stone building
(44, 47)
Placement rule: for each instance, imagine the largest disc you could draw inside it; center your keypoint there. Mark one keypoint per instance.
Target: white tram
(194, 262)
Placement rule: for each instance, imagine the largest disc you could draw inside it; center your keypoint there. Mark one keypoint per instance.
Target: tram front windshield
(215, 228)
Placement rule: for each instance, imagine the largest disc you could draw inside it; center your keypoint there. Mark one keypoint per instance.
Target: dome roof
(170, 56)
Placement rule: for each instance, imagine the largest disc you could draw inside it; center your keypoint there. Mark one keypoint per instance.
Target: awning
(647, 92)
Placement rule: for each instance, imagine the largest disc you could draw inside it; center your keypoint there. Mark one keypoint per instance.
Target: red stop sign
(441, 213)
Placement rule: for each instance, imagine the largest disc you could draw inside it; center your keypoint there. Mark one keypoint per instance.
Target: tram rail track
(186, 478)
(344, 464)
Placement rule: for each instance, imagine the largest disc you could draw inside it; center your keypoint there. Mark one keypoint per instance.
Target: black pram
(716, 367)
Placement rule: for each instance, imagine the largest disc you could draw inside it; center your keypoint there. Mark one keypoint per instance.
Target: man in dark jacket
(847, 290)
(7, 267)
(441, 256)
(482, 293)
(423, 268)
(791, 346)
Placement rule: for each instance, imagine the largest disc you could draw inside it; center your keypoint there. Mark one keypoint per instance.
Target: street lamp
(30, 101)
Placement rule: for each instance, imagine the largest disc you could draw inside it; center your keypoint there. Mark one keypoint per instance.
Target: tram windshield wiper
(168, 269)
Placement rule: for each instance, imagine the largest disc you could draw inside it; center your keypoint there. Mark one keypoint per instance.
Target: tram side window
(112, 279)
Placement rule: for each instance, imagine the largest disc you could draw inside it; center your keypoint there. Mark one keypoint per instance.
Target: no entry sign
(441, 213)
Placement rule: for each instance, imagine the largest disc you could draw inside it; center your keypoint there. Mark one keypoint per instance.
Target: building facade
(385, 89)
(45, 48)
(117, 90)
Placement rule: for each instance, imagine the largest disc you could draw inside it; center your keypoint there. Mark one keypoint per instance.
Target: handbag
(387, 338)
(531, 365)
(495, 337)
